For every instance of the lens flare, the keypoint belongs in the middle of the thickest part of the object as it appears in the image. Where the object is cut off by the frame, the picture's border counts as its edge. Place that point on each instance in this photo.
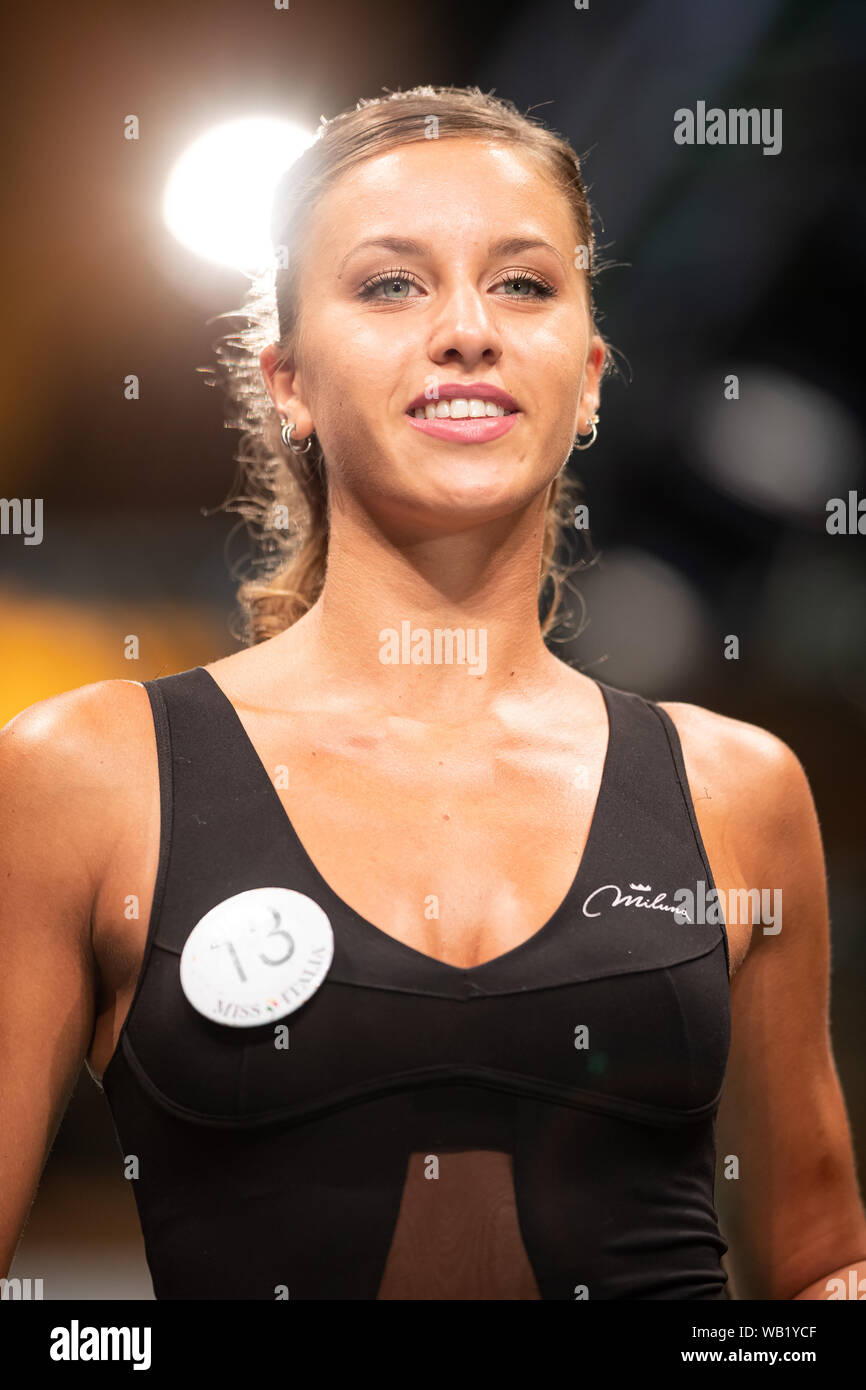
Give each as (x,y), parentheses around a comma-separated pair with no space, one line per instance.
(218,196)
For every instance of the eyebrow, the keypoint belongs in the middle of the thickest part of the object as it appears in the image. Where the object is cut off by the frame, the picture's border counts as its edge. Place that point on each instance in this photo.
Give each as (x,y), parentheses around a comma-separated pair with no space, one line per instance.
(405,246)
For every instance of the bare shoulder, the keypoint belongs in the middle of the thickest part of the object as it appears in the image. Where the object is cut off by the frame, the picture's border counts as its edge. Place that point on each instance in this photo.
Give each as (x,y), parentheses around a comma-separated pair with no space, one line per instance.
(70,761)
(80,724)
(748,772)
(722,744)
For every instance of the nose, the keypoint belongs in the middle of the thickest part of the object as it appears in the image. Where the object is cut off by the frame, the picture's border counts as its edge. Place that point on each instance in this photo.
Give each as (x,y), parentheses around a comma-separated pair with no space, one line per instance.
(465,328)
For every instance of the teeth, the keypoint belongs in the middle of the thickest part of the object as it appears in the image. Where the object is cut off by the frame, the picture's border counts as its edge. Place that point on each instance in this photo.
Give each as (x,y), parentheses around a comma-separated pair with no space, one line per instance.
(459,410)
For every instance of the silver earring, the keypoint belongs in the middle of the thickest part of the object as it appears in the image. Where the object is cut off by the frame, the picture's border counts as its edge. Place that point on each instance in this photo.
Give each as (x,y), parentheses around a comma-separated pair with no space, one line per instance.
(593,424)
(286,431)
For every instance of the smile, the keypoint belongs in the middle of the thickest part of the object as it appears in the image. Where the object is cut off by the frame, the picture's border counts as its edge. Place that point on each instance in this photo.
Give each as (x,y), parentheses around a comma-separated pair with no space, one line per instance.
(463,420)
(461,409)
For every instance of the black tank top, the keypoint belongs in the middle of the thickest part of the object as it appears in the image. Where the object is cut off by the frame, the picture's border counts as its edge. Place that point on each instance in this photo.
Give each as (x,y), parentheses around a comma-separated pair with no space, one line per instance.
(432,1132)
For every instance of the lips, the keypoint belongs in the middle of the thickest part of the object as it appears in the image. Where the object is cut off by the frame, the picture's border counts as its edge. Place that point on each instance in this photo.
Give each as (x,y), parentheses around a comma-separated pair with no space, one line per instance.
(467,430)
(465,390)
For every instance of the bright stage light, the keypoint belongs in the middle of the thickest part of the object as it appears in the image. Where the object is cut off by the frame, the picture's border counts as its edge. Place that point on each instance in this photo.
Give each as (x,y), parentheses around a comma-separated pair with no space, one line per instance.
(218,197)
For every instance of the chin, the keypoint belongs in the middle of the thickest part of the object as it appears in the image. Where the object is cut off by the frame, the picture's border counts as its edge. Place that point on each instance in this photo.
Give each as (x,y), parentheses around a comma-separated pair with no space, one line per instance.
(456,498)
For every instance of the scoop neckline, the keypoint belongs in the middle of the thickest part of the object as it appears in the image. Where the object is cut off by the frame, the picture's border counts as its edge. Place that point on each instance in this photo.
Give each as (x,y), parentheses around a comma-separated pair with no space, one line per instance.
(338,902)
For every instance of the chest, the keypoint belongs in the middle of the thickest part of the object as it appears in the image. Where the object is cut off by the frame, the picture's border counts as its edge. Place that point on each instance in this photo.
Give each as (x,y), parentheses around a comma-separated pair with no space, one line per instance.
(456,846)
(460,847)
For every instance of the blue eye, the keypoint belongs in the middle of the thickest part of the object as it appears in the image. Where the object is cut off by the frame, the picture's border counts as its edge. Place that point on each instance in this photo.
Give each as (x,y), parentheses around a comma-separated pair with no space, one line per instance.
(529,286)
(389,279)
(540,289)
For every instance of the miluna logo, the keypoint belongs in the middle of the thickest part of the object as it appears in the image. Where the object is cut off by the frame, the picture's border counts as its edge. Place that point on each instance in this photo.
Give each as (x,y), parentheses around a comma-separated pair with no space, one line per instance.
(737,126)
(621,899)
(101,1344)
(715,908)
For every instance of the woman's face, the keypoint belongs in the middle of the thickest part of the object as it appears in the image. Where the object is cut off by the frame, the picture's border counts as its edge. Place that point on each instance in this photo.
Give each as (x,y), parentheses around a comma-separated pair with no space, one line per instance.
(409,288)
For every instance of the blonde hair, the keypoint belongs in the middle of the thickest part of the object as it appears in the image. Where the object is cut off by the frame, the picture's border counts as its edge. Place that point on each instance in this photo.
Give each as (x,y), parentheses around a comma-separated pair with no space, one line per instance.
(282,497)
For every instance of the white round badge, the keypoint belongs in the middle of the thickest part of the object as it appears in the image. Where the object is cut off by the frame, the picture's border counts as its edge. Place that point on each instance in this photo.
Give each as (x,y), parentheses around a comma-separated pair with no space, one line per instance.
(256,956)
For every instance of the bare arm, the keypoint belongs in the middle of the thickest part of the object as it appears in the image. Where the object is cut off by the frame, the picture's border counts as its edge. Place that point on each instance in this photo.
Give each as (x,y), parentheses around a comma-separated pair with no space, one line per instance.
(55,826)
(793,1217)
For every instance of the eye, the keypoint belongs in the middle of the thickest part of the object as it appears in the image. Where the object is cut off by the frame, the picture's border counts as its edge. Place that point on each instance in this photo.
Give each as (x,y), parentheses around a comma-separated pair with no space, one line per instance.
(528,286)
(387,279)
(524,284)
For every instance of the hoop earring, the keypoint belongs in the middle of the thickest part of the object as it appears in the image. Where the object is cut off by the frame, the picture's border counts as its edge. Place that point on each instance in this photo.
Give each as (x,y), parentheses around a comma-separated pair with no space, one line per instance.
(593,423)
(286,431)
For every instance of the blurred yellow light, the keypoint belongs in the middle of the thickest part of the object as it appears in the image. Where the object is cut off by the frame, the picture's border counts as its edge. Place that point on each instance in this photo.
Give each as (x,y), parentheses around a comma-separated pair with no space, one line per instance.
(50,644)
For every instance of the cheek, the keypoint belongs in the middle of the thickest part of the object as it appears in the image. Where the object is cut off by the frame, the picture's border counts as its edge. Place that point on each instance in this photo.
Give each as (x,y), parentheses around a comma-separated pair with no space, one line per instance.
(550,352)
(345,393)
(351,364)
(557,394)
(561,360)
(561,347)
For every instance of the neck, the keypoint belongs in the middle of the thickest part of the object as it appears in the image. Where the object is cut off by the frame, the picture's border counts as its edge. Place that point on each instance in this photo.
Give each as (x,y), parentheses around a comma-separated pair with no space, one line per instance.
(437,629)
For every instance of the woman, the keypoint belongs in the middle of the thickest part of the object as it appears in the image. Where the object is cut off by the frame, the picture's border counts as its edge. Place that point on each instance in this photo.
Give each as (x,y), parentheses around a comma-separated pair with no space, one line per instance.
(387,932)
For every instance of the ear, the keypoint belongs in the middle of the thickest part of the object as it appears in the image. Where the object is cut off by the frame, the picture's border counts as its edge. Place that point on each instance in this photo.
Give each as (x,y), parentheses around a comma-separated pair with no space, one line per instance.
(590,399)
(279,373)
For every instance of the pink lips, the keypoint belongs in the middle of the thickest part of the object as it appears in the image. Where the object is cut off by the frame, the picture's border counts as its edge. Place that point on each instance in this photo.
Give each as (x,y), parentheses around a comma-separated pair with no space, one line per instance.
(467,430)
(470,429)
(467,390)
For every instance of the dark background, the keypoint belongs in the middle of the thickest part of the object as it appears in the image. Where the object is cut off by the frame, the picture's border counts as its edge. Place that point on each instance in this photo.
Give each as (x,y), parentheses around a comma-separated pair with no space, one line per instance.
(709,514)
